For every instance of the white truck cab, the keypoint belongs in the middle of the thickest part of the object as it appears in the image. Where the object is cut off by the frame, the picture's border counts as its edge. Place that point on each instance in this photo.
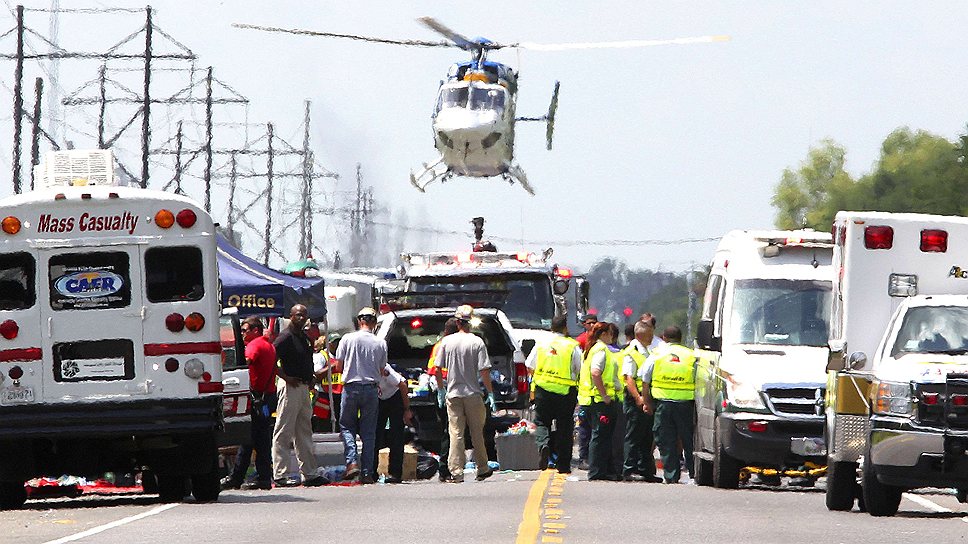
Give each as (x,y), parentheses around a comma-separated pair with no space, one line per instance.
(761,348)
(109,335)
(897,398)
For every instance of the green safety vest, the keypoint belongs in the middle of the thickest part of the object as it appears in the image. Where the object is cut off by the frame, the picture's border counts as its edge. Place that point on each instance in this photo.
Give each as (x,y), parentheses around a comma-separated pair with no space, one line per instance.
(552,369)
(587,392)
(639,359)
(673,376)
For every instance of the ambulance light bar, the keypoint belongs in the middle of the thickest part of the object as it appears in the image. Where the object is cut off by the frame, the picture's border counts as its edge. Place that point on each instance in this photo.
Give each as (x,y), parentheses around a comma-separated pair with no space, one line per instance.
(477,258)
(902,285)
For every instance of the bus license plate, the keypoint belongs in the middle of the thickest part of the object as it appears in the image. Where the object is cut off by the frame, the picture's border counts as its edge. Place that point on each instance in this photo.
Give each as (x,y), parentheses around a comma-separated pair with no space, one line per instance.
(17,395)
(810,447)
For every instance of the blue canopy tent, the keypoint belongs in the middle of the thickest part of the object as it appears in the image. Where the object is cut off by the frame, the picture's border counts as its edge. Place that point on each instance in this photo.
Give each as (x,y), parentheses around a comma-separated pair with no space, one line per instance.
(258,290)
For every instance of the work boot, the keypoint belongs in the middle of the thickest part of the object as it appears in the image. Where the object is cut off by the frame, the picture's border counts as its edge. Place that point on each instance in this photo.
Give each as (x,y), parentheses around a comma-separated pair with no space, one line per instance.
(229,482)
(544,454)
(352,470)
(485,475)
(316,481)
(287,482)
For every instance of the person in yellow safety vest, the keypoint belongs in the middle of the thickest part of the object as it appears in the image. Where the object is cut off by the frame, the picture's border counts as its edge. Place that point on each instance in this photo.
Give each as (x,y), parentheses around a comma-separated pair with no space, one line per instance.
(323,411)
(618,435)
(668,381)
(554,366)
(597,389)
(639,464)
(440,374)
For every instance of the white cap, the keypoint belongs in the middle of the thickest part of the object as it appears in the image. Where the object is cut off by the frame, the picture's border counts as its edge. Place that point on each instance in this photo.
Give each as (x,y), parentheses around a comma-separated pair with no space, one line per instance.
(464,312)
(366,312)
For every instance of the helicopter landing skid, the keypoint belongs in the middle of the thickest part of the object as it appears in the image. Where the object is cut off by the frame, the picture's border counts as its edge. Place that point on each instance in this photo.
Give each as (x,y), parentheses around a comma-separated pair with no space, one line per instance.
(516,173)
(430,174)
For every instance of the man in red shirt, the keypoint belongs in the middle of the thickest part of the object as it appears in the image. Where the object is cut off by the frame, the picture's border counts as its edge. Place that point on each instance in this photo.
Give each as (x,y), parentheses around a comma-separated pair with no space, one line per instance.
(261,358)
(587,322)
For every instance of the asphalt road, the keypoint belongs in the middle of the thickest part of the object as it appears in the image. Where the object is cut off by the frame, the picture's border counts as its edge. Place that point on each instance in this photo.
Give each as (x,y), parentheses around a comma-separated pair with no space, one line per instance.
(510,507)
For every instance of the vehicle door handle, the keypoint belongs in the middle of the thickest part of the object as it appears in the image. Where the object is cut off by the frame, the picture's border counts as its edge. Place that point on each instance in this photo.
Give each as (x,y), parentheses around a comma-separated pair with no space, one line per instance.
(50,327)
(231,382)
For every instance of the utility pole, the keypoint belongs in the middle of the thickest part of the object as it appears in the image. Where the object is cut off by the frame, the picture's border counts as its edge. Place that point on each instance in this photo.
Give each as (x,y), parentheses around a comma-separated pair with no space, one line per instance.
(268,231)
(146,107)
(306,210)
(35,134)
(53,75)
(18,99)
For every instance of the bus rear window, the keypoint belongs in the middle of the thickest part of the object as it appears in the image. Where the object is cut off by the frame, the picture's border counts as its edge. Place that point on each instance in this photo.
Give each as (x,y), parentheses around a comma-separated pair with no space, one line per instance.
(17,271)
(174,274)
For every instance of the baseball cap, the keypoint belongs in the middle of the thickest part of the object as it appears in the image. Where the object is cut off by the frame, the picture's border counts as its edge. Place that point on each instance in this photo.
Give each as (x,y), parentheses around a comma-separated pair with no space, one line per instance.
(464,312)
(333,336)
(366,312)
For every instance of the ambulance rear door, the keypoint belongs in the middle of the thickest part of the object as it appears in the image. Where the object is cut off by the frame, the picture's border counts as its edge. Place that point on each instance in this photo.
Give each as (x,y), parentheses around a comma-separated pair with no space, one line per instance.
(92,311)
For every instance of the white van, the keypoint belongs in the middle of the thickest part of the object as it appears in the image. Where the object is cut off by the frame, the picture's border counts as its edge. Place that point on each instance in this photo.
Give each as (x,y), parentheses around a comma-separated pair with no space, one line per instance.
(109,332)
(897,399)
(762,348)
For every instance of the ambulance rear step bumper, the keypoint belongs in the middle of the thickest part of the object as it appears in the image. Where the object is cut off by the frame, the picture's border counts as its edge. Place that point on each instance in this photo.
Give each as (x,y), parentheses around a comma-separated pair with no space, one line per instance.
(89,420)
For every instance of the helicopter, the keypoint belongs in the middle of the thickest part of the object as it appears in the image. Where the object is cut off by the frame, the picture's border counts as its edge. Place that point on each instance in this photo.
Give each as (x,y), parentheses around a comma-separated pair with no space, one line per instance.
(474,117)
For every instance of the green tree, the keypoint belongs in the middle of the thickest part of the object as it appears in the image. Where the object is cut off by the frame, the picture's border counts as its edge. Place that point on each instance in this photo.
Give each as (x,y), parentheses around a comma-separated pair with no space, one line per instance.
(810,196)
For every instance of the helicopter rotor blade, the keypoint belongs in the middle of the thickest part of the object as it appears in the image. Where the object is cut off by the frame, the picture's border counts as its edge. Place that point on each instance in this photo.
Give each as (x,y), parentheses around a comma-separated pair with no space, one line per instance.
(416,43)
(459,40)
(615,45)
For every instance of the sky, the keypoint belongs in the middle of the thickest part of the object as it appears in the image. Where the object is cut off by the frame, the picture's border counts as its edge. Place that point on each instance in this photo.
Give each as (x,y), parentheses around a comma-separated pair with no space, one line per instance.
(661,143)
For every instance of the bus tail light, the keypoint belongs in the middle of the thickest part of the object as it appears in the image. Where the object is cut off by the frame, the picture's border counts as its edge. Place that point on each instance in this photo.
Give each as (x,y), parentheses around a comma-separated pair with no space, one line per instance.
(878,237)
(521,372)
(16,373)
(175,322)
(171,364)
(194,322)
(194,369)
(164,219)
(934,241)
(9,329)
(11,225)
(186,218)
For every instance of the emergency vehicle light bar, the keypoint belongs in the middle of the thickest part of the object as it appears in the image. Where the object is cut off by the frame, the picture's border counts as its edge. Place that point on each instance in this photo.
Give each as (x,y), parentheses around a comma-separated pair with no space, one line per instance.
(476,257)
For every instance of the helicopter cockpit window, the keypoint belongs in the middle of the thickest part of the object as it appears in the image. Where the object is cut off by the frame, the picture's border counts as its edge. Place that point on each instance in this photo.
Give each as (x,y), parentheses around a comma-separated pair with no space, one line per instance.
(487,99)
(452,97)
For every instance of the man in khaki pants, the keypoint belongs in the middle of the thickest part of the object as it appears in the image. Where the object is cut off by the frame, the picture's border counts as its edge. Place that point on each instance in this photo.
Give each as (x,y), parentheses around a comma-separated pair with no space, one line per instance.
(464,356)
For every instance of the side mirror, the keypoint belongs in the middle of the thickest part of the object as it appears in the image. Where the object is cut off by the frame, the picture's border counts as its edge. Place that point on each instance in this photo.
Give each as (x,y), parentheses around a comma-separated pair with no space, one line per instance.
(857,360)
(581,296)
(705,338)
(560,287)
(835,357)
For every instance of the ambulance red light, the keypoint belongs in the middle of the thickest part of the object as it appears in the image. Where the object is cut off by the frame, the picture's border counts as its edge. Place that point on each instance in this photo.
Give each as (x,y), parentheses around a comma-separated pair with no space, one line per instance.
(9,329)
(565,273)
(164,219)
(416,323)
(206,376)
(186,218)
(171,364)
(959,399)
(929,399)
(194,322)
(757,426)
(11,225)
(16,373)
(878,237)
(934,241)
(522,256)
(175,322)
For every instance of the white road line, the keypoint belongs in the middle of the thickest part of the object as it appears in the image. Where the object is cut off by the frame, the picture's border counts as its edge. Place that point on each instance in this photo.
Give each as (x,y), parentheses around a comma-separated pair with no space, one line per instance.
(112,525)
(930,505)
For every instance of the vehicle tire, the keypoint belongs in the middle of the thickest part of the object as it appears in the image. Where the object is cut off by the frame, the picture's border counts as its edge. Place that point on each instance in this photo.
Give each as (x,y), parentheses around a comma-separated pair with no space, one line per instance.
(149,483)
(881,500)
(841,486)
(13,495)
(171,486)
(703,470)
(206,487)
(725,468)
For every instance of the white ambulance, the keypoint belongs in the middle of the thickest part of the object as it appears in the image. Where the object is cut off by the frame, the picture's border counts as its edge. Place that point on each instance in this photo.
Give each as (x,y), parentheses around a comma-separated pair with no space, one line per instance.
(109,336)
(897,395)
(762,348)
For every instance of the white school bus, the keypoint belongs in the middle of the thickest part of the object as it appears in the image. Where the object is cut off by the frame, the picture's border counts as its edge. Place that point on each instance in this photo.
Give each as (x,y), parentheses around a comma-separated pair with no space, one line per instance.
(109,333)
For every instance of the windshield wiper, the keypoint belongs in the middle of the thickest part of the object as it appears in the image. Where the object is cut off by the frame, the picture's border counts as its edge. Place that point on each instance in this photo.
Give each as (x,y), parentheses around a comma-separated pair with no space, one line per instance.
(959,351)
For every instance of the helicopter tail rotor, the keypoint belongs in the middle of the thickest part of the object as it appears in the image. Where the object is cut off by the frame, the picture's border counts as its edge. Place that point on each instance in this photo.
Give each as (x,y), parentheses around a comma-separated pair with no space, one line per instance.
(550,118)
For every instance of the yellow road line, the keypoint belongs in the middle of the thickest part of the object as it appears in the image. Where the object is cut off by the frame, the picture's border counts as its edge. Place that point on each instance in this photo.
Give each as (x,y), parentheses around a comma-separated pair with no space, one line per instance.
(531,520)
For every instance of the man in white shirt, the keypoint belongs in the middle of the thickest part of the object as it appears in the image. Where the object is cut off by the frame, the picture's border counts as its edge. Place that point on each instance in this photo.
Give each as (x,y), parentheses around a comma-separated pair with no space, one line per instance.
(639,462)
(395,410)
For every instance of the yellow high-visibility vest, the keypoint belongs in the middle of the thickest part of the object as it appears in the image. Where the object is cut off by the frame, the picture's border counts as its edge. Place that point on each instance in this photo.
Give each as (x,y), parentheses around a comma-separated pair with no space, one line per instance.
(552,369)
(587,392)
(639,358)
(673,376)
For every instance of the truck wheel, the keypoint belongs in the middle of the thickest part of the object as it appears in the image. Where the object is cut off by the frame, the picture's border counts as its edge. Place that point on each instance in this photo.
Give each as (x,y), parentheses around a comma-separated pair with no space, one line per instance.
(206,485)
(704,470)
(725,468)
(841,486)
(880,499)
(171,486)
(13,495)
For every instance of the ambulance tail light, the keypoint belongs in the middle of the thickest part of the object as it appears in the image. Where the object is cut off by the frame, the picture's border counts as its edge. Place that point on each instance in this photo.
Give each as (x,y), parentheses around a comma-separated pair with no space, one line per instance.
(164,219)
(175,322)
(11,225)
(878,237)
(194,322)
(186,218)
(934,241)
(521,372)
(9,329)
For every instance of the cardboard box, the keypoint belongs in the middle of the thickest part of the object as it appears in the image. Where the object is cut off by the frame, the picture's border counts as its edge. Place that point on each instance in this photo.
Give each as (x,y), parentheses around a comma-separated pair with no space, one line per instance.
(409,462)
(517,452)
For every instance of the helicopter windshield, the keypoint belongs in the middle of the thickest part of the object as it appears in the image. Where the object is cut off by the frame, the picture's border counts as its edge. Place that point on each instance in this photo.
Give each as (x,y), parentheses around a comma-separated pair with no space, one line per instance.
(487,98)
(452,97)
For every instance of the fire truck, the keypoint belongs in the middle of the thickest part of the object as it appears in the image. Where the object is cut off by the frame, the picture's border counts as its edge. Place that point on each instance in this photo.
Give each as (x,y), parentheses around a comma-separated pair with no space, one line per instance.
(109,335)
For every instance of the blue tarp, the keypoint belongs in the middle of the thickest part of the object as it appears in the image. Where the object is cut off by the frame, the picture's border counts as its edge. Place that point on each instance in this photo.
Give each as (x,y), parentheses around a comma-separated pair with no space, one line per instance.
(258,290)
